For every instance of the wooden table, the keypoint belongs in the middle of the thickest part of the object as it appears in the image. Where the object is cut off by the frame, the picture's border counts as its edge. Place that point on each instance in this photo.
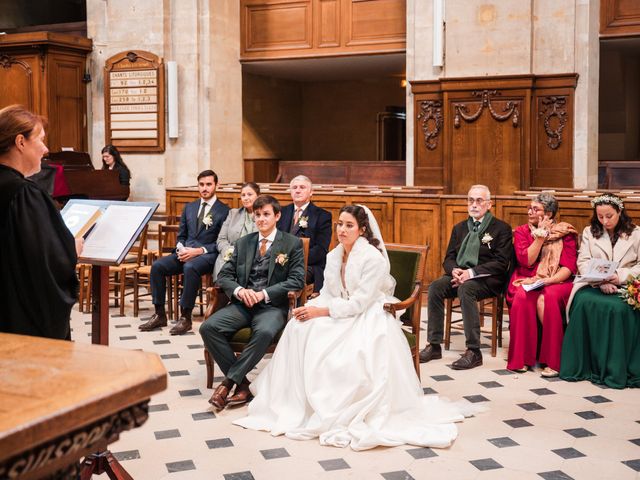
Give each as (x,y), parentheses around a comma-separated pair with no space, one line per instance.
(61,401)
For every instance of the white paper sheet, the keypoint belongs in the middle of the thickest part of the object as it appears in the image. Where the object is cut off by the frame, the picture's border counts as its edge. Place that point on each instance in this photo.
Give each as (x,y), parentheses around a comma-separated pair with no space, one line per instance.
(598,269)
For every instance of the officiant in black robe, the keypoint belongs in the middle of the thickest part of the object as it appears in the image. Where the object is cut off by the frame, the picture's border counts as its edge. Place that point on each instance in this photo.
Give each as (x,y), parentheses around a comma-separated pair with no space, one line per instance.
(38,254)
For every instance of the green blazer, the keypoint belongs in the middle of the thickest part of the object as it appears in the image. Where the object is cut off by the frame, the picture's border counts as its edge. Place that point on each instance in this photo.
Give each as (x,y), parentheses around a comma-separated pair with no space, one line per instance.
(281,279)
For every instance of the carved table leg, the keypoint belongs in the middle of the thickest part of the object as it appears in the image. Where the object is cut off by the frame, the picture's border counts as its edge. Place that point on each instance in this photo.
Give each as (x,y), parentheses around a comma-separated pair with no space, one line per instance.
(103,462)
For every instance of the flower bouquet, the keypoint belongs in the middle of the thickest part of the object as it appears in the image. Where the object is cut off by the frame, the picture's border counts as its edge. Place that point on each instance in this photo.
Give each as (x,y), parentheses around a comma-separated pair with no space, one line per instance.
(630,292)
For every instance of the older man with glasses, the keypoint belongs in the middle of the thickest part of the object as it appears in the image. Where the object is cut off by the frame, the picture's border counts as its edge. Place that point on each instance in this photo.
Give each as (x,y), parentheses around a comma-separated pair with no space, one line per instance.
(476,266)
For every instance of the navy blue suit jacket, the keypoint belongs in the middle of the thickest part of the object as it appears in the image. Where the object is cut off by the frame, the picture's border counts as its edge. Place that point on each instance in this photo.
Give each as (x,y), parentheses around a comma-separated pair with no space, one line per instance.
(191,236)
(318,231)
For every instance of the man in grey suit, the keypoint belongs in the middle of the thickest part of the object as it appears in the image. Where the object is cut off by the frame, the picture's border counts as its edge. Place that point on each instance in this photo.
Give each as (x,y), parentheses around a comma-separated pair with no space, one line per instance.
(265,266)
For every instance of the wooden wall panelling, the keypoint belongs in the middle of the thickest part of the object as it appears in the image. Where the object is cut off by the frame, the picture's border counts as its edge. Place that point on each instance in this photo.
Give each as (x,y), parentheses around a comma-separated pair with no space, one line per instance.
(274,25)
(326,21)
(619,18)
(416,221)
(262,170)
(371,22)
(552,131)
(429,136)
(513,211)
(381,205)
(21,80)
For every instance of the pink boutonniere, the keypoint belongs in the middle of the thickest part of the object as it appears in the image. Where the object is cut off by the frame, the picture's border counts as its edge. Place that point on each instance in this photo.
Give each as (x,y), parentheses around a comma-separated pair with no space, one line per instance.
(282,259)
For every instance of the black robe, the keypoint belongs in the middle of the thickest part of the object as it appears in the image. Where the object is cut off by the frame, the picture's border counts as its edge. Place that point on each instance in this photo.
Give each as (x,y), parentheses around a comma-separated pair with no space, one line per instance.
(38,282)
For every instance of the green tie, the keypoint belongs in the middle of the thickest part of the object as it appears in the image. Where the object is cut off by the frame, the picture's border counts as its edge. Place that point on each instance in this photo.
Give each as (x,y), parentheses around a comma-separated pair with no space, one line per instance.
(476,224)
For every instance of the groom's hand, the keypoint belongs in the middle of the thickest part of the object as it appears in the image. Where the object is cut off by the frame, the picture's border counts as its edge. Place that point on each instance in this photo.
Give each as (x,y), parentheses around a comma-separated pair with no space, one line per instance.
(250,297)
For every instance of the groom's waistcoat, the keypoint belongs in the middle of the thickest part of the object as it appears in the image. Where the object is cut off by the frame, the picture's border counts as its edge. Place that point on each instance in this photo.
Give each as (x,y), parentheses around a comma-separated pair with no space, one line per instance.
(259,272)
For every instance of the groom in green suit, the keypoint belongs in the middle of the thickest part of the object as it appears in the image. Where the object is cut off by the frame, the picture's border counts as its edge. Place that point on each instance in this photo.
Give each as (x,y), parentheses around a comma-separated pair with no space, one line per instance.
(265,266)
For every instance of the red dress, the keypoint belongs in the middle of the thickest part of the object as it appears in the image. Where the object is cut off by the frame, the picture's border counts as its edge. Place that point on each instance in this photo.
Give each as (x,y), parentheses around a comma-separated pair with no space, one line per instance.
(523,322)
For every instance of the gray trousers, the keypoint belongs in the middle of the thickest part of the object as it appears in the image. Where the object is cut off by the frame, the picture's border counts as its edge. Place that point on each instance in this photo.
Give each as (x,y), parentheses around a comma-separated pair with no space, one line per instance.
(265,322)
(469,293)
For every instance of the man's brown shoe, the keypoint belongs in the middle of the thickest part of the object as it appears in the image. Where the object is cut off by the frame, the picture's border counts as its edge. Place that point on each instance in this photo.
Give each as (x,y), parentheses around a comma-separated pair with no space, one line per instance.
(469,359)
(156,321)
(429,353)
(241,395)
(182,327)
(219,397)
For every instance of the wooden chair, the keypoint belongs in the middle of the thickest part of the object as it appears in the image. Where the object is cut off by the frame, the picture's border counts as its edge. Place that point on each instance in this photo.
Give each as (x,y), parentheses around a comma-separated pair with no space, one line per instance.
(84,293)
(496,314)
(218,299)
(121,275)
(407,268)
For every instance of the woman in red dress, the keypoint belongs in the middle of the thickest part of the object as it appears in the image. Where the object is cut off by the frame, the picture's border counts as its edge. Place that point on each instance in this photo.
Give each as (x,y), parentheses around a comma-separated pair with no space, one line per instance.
(546,256)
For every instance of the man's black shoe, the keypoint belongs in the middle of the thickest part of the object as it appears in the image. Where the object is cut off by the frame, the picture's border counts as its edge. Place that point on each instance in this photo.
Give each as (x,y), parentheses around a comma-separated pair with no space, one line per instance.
(430,352)
(469,359)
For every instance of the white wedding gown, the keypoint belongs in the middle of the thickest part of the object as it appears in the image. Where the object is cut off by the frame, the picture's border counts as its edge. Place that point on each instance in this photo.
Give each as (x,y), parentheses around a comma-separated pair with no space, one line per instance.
(348,378)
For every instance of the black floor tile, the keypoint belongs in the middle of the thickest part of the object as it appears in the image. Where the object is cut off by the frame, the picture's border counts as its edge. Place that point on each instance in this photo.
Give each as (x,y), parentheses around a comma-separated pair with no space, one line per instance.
(239,476)
(161,342)
(502,442)
(568,453)
(164,434)
(579,432)
(421,452)
(441,378)
(127,455)
(219,443)
(160,407)
(399,475)
(190,393)
(168,356)
(491,384)
(122,326)
(428,391)
(636,441)
(203,416)
(503,371)
(201,362)
(589,415)
(180,466)
(531,406)
(485,464)
(555,475)
(274,453)
(542,391)
(476,398)
(597,399)
(634,464)
(334,464)
(178,373)
(518,423)
(193,347)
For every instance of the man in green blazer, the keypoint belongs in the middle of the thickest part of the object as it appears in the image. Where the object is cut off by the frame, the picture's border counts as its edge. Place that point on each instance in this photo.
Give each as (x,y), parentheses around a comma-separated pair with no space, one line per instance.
(265,266)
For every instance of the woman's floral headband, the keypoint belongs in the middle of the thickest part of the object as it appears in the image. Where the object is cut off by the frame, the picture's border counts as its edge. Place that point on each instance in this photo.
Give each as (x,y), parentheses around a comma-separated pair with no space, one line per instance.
(606,198)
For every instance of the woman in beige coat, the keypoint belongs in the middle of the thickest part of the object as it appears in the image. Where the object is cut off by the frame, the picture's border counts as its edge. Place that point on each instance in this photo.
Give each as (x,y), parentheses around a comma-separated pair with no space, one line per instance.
(602,341)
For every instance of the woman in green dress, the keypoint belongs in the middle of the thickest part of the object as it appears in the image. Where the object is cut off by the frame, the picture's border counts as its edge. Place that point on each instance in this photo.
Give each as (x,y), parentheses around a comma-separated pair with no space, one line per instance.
(602,341)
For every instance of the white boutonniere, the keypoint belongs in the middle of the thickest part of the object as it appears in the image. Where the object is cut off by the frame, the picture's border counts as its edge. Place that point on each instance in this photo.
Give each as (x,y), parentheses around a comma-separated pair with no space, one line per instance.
(207,221)
(282,259)
(228,254)
(303,222)
(486,239)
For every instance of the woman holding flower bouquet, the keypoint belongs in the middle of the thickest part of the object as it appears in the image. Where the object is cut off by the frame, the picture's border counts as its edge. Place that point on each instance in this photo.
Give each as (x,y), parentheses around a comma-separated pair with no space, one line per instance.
(540,287)
(239,222)
(602,341)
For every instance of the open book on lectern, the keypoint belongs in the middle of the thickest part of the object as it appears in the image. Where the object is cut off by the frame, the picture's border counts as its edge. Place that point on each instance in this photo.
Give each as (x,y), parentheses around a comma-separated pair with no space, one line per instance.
(112,226)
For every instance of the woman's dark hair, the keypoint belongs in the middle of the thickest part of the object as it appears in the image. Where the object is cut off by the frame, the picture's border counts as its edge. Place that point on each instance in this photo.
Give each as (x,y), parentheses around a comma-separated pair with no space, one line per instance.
(625,224)
(253,186)
(113,151)
(264,200)
(362,219)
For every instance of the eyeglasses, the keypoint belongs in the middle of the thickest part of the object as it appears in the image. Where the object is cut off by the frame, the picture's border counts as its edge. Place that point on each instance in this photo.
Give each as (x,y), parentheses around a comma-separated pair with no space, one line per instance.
(479,201)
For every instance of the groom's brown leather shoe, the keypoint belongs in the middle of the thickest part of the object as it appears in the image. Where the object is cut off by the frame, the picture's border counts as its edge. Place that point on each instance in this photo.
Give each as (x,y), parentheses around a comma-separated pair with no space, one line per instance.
(469,359)
(156,321)
(430,352)
(182,327)
(219,397)
(241,395)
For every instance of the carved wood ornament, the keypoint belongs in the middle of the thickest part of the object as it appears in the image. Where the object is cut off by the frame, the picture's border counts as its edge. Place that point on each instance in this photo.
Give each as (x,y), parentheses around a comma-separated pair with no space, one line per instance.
(554,107)
(6,61)
(431,112)
(511,109)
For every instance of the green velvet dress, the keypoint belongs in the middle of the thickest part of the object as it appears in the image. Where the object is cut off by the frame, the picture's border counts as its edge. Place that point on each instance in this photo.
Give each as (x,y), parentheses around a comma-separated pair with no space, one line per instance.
(602,341)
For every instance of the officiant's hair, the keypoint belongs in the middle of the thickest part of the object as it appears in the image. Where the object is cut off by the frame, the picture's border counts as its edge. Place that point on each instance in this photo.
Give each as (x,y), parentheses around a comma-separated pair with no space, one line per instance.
(625,224)
(208,173)
(16,120)
(362,219)
(264,200)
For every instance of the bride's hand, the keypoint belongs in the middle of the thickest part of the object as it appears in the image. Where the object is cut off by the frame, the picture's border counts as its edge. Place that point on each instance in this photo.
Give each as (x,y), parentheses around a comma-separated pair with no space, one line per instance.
(308,312)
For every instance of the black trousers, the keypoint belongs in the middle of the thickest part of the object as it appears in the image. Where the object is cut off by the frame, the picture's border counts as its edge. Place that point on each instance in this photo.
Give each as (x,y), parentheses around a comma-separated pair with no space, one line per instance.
(469,293)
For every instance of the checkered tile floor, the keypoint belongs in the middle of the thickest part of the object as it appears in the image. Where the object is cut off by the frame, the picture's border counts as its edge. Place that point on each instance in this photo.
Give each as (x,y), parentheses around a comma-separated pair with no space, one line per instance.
(533,428)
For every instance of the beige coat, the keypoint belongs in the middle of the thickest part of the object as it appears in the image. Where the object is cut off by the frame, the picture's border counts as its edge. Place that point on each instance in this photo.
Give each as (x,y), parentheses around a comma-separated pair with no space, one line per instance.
(626,253)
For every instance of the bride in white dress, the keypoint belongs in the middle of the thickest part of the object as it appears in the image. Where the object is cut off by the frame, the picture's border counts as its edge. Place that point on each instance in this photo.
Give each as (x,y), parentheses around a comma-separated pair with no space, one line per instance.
(342,370)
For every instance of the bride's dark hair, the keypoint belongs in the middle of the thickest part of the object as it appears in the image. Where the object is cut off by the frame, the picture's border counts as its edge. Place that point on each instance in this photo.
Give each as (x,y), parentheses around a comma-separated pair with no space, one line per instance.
(362,219)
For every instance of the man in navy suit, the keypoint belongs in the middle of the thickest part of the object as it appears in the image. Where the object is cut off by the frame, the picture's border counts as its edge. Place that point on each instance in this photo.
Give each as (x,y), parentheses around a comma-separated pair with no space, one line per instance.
(195,254)
(305,220)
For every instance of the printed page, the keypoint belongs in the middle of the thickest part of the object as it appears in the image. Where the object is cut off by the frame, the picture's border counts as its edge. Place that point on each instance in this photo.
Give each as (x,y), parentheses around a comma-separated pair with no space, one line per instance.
(598,269)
